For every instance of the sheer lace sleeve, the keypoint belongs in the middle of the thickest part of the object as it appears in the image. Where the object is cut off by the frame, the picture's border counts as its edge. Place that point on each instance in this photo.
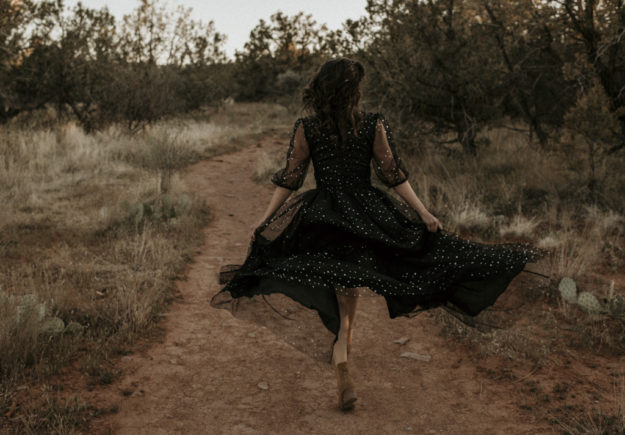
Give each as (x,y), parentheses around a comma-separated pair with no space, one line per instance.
(292,175)
(387,164)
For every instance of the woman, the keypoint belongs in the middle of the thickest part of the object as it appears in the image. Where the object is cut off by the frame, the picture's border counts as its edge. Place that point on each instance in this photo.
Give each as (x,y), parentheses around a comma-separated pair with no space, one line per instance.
(321,246)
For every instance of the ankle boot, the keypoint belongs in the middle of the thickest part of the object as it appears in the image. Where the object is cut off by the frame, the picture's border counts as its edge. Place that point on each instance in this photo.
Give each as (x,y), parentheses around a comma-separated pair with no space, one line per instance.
(346,393)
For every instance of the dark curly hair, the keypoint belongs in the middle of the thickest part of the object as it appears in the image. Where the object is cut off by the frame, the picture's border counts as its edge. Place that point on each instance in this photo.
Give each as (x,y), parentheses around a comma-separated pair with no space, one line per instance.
(332,95)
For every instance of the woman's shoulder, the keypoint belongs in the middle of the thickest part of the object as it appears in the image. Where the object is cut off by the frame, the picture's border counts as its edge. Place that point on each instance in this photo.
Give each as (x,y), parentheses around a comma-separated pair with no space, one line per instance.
(370,121)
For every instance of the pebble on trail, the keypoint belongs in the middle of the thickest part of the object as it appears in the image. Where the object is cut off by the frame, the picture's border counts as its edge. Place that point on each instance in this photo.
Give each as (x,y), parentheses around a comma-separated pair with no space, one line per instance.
(417,356)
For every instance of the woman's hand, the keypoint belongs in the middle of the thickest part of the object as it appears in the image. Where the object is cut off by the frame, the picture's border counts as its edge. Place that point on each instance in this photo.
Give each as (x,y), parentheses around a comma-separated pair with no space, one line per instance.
(407,194)
(279,196)
(430,221)
(254,226)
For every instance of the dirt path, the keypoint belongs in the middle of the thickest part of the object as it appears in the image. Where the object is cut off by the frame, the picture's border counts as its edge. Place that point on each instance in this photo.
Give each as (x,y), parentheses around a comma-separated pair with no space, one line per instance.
(203,377)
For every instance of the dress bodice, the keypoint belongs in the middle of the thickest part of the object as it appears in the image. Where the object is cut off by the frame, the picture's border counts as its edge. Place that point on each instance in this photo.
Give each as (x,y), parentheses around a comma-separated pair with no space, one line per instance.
(335,166)
(338,167)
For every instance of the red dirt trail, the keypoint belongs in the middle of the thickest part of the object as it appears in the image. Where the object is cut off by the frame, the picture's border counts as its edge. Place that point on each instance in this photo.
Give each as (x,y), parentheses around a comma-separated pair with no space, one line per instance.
(203,376)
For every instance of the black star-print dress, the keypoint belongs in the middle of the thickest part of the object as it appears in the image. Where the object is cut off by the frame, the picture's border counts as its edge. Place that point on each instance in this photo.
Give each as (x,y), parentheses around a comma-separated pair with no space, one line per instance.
(346,233)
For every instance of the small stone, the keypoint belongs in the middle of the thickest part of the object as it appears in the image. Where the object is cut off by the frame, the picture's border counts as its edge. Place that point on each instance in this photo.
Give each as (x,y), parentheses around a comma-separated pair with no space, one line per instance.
(417,356)
(251,334)
(263,385)
(402,341)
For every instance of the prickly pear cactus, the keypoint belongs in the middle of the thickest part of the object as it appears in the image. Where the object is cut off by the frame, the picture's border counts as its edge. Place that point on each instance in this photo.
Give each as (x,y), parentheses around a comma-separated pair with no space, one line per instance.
(568,290)
(53,326)
(589,302)
(29,308)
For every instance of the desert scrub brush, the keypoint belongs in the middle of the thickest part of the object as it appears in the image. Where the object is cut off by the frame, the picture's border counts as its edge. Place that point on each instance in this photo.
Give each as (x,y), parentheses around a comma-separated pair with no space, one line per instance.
(615,303)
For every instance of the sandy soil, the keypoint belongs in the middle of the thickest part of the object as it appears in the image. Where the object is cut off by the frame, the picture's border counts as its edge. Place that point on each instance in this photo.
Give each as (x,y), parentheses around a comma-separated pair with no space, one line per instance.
(203,375)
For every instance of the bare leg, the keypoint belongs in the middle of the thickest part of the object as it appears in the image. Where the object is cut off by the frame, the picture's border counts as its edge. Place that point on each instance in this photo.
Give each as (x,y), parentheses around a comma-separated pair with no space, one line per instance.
(351,302)
(347,300)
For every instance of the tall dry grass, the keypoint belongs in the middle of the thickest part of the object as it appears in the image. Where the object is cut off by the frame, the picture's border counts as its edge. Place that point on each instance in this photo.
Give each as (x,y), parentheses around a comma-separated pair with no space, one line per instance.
(93,231)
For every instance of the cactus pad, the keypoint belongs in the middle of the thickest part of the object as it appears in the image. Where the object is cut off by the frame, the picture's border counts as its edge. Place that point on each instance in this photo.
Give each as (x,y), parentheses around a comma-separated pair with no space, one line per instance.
(53,326)
(568,290)
(589,302)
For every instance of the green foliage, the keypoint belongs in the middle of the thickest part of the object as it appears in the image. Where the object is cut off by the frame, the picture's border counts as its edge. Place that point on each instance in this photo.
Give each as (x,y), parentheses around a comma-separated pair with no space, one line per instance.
(88,66)
(434,61)
(279,56)
(592,121)
(448,67)
(453,67)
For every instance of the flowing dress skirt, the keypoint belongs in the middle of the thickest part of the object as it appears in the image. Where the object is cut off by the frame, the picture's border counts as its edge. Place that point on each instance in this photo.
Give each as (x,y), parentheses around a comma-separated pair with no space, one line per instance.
(325,239)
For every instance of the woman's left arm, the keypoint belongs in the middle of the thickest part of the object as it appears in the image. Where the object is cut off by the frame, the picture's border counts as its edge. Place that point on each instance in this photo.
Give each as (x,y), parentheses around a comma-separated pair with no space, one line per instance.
(291,176)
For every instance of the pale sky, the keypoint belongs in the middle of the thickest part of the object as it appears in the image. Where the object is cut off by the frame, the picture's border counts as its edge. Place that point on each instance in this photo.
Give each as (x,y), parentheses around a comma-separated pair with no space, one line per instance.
(236,18)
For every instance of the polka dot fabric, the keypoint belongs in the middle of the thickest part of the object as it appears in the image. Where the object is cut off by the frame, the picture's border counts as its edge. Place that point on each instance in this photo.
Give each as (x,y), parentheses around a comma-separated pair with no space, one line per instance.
(347,234)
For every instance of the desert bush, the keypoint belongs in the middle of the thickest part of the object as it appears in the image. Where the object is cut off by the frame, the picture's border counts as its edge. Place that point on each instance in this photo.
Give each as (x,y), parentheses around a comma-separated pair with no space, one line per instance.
(29,330)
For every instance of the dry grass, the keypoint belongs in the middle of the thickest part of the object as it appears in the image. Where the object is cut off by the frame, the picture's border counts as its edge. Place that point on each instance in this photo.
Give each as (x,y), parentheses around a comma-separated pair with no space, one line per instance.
(599,421)
(93,230)
(266,167)
(519,226)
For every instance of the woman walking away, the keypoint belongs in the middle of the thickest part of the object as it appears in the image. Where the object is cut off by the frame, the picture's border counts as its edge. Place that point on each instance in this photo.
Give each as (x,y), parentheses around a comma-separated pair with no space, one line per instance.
(321,246)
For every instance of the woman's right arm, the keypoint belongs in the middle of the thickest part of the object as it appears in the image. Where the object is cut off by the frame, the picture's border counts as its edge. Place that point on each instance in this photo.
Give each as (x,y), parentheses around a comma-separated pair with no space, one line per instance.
(407,193)
(392,172)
